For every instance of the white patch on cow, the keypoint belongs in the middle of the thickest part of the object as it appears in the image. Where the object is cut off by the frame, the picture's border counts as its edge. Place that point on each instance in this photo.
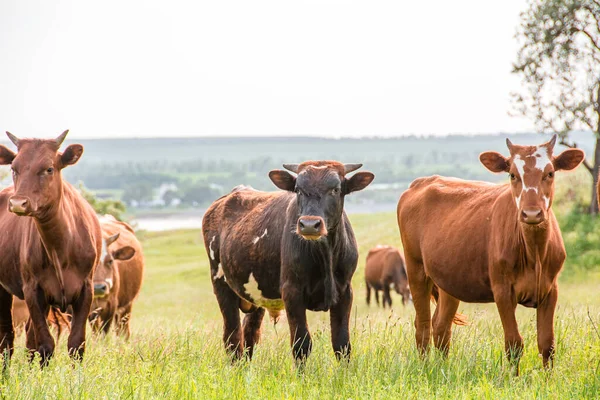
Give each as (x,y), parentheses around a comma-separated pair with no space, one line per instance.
(256,239)
(211,251)
(220,273)
(104,251)
(520,164)
(547,201)
(109,282)
(543,159)
(257,298)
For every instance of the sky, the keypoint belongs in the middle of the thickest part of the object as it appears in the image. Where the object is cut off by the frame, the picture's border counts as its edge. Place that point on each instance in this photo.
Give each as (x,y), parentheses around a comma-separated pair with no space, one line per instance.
(147,68)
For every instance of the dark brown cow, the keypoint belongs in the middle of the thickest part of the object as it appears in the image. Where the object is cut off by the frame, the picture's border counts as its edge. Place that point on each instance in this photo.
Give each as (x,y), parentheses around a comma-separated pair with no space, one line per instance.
(50,244)
(118,277)
(480,242)
(385,267)
(293,249)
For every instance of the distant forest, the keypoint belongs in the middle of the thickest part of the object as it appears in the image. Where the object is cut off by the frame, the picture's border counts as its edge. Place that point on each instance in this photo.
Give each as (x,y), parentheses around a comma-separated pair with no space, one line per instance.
(184,173)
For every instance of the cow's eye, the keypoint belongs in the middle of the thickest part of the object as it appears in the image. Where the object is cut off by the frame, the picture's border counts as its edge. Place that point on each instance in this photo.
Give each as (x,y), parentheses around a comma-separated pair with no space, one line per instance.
(550,174)
(50,171)
(335,191)
(110,262)
(512,177)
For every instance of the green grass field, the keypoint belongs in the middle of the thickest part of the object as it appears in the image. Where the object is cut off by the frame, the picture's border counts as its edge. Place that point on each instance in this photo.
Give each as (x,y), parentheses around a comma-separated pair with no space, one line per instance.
(176,352)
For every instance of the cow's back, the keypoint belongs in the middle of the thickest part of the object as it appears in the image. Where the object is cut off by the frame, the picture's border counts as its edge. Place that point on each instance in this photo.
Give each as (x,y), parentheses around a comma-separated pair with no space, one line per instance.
(242,233)
(445,225)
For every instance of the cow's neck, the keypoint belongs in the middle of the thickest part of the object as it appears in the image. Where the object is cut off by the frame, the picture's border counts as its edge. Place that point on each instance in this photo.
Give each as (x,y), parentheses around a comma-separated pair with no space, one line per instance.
(534,239)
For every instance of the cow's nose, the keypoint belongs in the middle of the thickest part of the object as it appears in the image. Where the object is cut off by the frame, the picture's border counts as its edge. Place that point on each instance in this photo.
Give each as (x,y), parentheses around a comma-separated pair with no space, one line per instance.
(311,226)
(532,216)
(100,289)
(18,205)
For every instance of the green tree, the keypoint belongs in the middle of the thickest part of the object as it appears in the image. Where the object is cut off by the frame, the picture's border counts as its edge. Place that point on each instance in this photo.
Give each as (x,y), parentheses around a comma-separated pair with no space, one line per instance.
(559,62)
(116,208)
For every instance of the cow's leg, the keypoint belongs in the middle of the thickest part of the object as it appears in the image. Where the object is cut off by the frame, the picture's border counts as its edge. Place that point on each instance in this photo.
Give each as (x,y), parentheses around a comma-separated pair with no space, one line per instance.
(252,324)
(296,315)
(387,297)
(513,342)
(7,333)
(107,316)
(81,311)
(368,293)
(340,321)
(442,321)
(376,295)
(39,337)
(123,317)
(420,287)
(229,304)
(545,326)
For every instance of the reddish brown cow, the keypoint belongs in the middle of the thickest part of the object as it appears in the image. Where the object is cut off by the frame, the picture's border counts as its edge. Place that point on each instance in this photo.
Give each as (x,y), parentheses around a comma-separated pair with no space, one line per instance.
(50,244)
(118,277)
(293,249)
(385,267)
(480,242)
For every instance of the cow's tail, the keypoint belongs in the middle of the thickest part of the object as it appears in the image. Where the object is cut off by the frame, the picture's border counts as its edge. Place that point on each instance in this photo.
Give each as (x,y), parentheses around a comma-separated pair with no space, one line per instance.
(459,319)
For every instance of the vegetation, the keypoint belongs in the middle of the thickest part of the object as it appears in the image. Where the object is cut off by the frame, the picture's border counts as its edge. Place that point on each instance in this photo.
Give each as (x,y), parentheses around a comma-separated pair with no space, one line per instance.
(559,61)
(176,350)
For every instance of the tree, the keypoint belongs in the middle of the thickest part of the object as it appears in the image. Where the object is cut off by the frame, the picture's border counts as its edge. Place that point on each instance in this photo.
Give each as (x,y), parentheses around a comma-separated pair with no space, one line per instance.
(559,62)
(116,208)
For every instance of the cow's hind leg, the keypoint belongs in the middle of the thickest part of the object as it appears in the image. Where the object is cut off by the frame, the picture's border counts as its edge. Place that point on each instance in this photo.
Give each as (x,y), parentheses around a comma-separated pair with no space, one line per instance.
(252,324)
(229,304)
(122,319)
(420,287)
(340,324)
(387,297)
(7,333)
(368,293)
(442,321)
(376,296)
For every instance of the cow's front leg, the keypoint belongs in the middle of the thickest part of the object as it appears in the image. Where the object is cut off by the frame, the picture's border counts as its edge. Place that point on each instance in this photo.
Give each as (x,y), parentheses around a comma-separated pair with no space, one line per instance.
(513,342)
(545,326)
(296,315)
(7,333)
(81,311)
(340,321)
(38,310)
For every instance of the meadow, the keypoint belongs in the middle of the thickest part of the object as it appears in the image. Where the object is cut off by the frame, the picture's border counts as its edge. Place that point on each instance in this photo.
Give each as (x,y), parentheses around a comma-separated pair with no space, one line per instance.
(176,352)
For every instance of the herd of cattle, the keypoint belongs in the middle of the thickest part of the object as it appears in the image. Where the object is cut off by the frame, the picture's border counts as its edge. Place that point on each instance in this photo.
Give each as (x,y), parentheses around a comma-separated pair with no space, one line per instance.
(291,250)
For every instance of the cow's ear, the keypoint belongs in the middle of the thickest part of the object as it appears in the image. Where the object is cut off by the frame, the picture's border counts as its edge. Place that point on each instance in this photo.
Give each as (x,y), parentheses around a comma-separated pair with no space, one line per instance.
(6,156)
(494,161)
(568,159)
(358,181)
(283,179)
(71,155)
(124,253)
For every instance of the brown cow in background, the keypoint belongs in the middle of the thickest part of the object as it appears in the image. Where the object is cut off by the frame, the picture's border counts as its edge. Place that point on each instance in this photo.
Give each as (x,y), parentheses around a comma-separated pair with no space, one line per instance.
(20,314)
(385,267)
(50,244)
(479,242)
(118,277)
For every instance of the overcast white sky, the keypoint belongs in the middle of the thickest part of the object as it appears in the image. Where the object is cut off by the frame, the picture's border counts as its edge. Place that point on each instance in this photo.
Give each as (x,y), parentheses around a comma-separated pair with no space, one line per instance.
(192,68)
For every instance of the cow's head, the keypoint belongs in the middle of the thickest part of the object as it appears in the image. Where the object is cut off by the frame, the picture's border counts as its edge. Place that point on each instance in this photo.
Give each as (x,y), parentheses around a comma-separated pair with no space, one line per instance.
(36,170)
(104,275)
(320,187)
(531,170)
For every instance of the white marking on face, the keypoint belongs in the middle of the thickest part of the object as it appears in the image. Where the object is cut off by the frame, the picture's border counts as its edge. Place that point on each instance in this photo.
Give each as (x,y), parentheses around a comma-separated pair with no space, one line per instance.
(257,298)
(104,251)
(109,282)
(547,201)
(220,273)
(212,253)
(540,158)
(256,239)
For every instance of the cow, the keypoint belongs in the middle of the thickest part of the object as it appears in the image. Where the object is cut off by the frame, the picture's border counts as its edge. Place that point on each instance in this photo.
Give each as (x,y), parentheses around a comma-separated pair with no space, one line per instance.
(57,320)
(479,242)
(118,277)
(50,244)
(292,249)
(385,267)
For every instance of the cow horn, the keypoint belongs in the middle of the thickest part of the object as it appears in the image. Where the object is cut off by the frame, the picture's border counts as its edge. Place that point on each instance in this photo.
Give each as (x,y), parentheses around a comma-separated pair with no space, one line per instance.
(111,239)
(550,144)
(351,167)
(13,138)
(291,167)
(61,138)
(509,145)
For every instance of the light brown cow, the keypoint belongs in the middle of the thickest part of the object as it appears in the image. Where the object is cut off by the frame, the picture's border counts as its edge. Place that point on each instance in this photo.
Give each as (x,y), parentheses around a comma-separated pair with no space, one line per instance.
(480,242)
(20,314)
(118,277)
(50,244)
(385,267)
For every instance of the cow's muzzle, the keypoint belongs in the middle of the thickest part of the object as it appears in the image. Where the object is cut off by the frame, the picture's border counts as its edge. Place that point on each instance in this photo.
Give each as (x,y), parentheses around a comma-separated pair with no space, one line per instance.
(102,289)
(311,228)
(19,205)
(532,216)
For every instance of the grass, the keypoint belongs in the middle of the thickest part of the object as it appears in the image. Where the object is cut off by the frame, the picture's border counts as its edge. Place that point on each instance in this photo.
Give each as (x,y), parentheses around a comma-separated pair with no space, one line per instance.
(176,352)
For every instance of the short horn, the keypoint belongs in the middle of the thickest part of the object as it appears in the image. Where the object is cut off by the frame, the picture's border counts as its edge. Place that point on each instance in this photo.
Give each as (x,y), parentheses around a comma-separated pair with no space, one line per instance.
(351,167)
(13,138)
(61,138)
(111,239)
(509,145)
(550,144)
(291,167)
